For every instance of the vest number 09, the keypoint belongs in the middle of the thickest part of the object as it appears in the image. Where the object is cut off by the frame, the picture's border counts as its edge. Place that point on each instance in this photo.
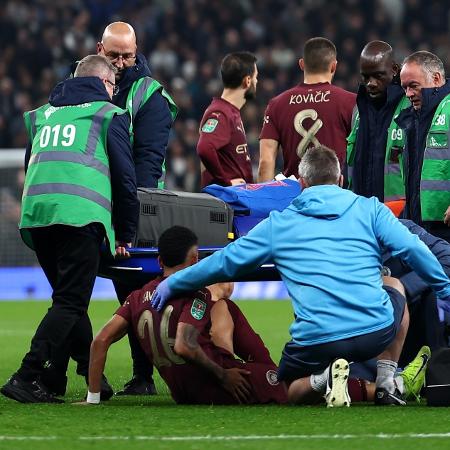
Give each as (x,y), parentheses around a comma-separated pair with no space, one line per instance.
(66,137)
(397,134)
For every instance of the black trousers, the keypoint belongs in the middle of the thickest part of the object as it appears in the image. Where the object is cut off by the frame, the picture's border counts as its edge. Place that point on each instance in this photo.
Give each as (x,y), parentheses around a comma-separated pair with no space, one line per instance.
(141,365)
(69,257)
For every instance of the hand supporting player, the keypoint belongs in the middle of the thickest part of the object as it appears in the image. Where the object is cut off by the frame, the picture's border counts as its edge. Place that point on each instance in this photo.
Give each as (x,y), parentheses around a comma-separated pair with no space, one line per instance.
(236,384)
(161,295)
(121,249)
(237,181)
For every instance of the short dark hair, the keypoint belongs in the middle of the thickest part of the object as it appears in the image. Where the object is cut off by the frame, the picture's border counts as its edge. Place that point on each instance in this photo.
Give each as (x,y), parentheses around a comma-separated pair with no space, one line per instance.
(235,66)
(319,165)
(174,245)
(318,54)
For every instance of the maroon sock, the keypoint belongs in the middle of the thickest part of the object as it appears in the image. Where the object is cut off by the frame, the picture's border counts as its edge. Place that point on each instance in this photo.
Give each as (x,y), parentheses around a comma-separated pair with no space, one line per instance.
(357,389)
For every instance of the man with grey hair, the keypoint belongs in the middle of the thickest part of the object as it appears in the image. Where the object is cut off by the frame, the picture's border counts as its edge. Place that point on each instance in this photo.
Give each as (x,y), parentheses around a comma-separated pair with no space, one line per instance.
(80,188)
(426,152)
(327,247)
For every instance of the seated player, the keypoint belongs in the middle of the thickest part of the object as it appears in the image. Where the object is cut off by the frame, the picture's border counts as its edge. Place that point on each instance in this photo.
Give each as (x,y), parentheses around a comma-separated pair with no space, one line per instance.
(179,340)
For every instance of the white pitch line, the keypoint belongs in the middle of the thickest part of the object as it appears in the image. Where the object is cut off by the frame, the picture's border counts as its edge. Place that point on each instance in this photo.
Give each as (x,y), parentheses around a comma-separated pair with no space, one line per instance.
(232,438)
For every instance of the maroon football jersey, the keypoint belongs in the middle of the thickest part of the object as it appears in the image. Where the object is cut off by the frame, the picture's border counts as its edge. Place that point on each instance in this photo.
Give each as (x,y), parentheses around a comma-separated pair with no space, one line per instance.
(189,383)
(222,146)
(156,331)
(308,115)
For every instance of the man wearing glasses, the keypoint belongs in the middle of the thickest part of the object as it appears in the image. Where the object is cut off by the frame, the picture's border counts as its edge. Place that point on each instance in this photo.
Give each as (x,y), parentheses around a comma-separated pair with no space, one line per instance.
(152,112)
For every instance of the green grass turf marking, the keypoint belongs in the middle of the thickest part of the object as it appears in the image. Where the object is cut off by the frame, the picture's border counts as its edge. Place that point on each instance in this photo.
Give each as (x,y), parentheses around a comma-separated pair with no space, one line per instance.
(235,438)
(156,423)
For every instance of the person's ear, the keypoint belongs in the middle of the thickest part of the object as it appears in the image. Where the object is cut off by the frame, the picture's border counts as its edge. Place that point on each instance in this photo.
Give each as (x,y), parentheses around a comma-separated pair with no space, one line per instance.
(333,66)
(246,82)
(192,256)
(301,63)
(99,47)
(437,79)
(160,263)
(304,184)
(341,180)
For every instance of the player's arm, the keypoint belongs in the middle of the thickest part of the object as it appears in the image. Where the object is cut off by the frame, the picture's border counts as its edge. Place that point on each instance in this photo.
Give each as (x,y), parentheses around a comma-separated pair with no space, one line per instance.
(113,331)
(233,380)
(268,144)
(268,149)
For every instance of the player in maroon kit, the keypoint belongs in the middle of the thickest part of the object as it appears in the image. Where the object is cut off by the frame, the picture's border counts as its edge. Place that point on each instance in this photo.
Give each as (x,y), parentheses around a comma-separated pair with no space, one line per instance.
(222,146)
(312,113)
(180,340)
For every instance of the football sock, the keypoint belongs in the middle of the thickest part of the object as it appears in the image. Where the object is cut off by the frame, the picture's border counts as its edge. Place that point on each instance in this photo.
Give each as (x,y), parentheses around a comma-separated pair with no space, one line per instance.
(385,374)
(399,382)
(319,381)
(357,389)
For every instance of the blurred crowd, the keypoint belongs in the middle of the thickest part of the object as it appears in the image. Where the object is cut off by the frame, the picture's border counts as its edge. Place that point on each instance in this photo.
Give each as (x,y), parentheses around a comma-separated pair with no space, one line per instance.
(185,40)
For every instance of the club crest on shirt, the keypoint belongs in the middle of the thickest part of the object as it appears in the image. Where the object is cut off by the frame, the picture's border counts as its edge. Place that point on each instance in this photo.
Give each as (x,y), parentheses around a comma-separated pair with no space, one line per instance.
(272,379)
(198,309)
(210,125)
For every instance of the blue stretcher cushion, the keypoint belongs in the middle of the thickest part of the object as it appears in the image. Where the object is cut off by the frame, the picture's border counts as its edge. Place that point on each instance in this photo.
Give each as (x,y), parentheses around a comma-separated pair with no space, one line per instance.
(257,200)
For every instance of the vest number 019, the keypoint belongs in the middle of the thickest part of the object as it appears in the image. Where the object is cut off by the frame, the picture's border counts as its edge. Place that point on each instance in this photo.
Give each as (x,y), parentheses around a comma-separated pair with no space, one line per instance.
(66,137)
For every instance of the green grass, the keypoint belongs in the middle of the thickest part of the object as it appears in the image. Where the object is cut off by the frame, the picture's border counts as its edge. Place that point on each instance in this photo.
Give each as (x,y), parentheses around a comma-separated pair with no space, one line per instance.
(154,423)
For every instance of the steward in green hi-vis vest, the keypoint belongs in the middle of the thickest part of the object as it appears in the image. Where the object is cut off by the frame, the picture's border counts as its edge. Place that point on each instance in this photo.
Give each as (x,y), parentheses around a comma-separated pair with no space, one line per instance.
(394,186)
(435,175)
(68,177)
(141,90)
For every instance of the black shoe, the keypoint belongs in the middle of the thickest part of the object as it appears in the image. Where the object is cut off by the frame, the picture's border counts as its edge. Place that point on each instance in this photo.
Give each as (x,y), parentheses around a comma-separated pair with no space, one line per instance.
(106,391)
(138,386)
(55,383)
(383,397)
(28,392)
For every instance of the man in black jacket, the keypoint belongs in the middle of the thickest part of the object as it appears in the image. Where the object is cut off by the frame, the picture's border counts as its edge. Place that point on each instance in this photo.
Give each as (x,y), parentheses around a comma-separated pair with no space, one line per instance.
(80,180)
(152,112)
(426,128)
(374,145)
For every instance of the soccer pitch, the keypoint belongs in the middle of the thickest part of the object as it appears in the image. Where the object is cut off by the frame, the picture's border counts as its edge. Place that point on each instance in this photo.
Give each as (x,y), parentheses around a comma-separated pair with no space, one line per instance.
(157,423)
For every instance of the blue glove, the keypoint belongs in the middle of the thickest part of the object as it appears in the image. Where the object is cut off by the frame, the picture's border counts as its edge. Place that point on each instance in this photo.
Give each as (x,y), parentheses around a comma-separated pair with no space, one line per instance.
(161,295)
(444,304)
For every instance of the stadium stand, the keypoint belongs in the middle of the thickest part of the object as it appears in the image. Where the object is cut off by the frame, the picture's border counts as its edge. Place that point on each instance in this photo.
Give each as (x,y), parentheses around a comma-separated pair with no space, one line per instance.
(185,41)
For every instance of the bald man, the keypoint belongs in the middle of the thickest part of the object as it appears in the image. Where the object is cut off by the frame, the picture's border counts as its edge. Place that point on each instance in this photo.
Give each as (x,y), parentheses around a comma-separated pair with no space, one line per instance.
(151,108)
(375,143)
(152,112)
(426,127)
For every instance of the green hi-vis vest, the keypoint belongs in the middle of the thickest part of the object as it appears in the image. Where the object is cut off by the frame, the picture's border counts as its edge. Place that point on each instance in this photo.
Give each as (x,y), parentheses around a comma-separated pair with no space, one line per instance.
(435,177)
(68,178)
(394,186)
(141,90)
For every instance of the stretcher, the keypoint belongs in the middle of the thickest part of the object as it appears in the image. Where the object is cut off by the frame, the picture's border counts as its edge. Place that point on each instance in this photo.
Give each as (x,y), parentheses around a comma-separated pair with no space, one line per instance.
(217,216)
(177,209)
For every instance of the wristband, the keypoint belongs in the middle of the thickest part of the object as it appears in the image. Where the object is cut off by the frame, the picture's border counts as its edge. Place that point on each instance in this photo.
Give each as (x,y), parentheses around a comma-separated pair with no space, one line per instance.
(93,397)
